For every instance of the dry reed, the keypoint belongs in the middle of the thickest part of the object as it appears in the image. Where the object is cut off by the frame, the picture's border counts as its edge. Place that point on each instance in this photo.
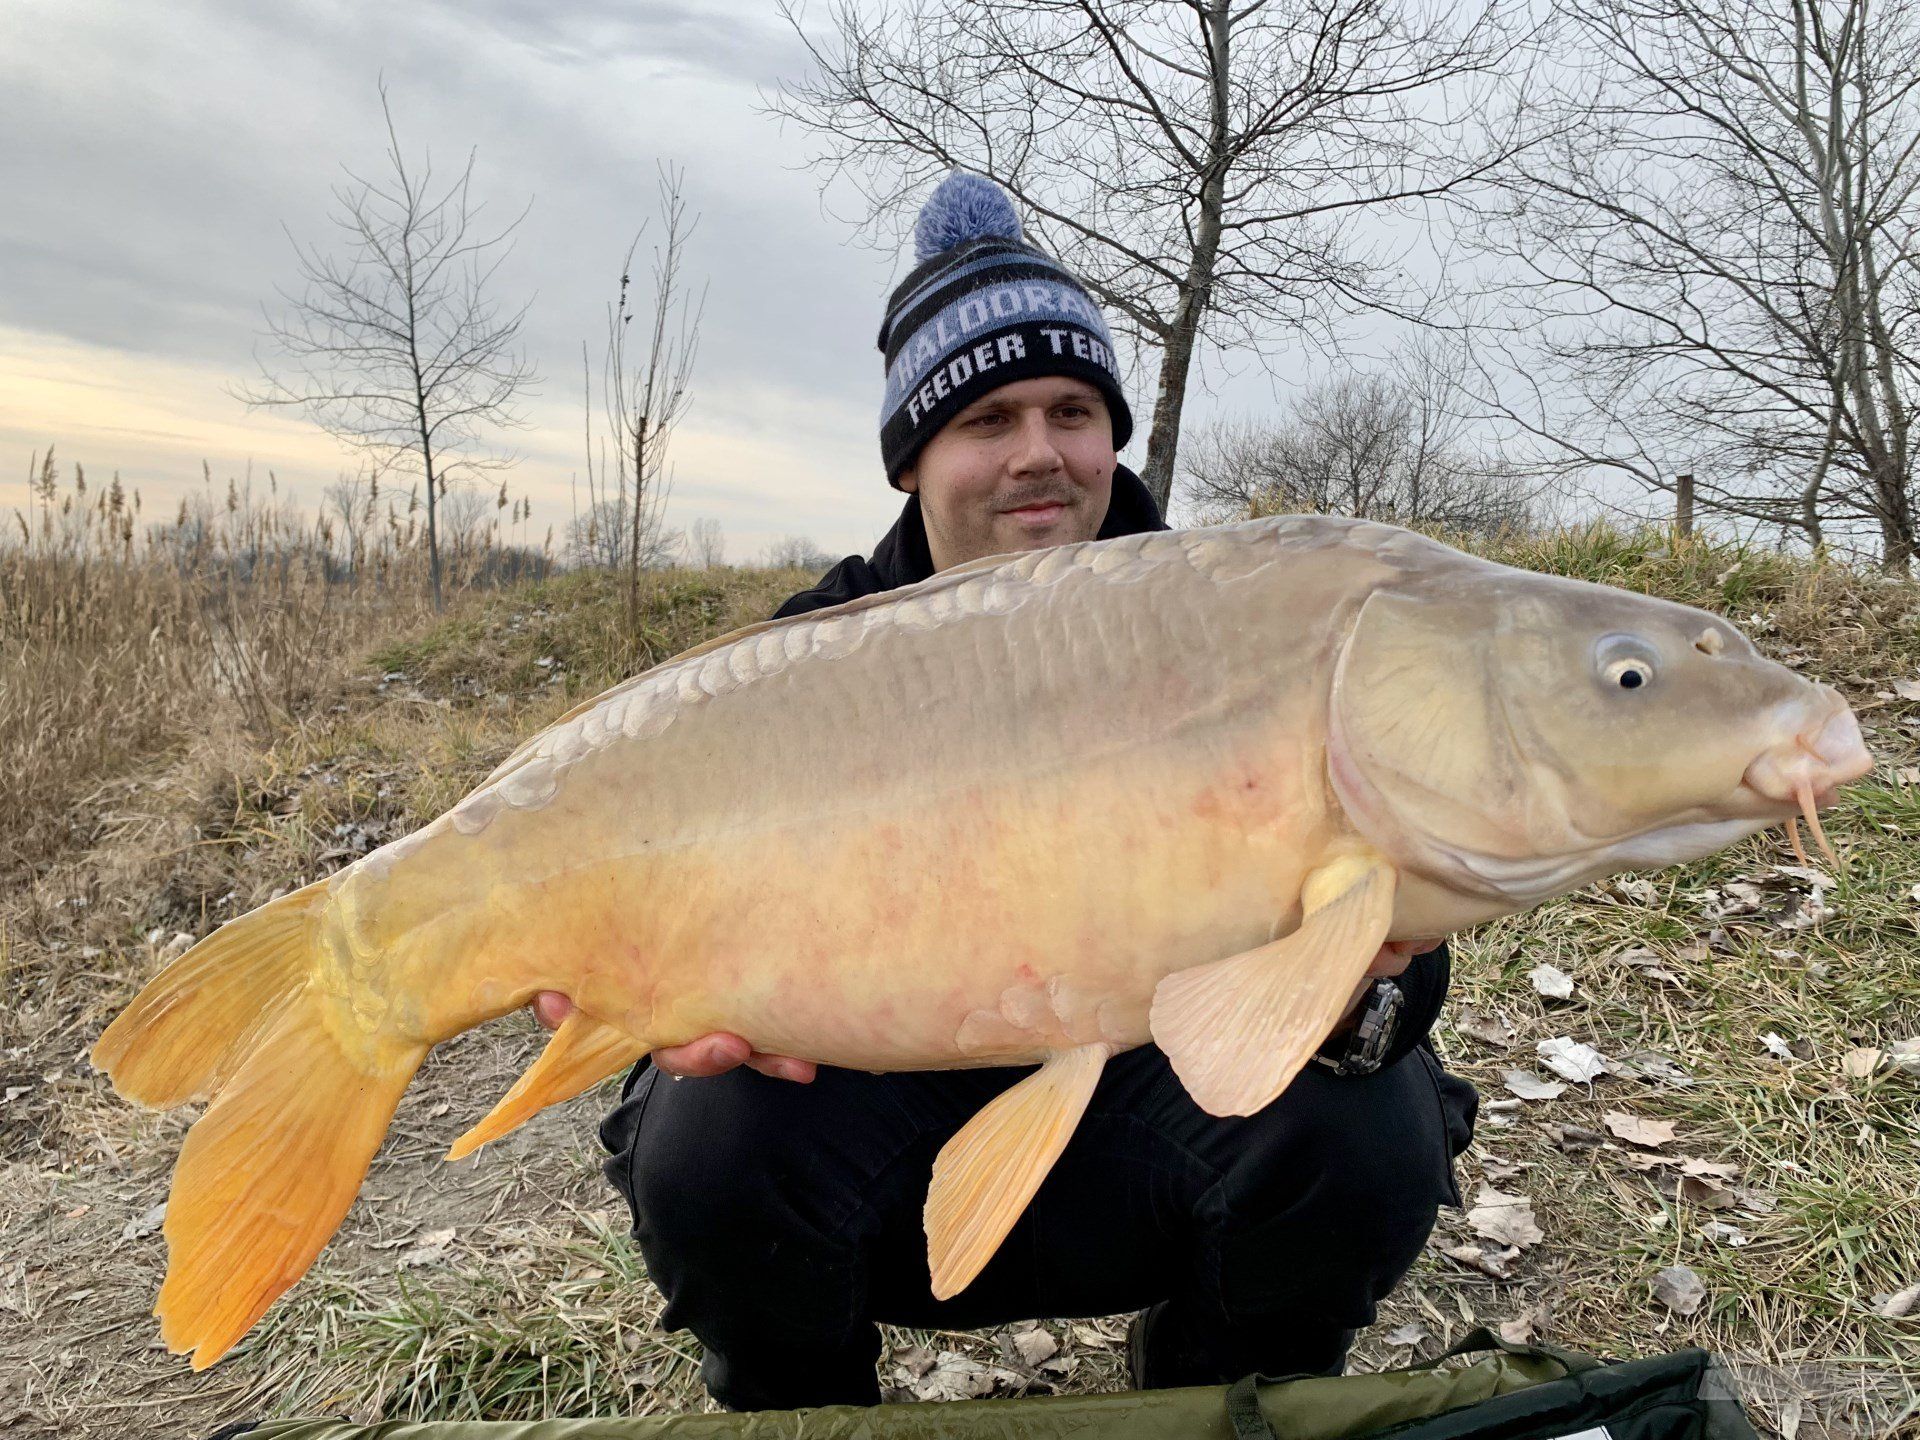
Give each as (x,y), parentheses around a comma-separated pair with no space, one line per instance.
(118,633)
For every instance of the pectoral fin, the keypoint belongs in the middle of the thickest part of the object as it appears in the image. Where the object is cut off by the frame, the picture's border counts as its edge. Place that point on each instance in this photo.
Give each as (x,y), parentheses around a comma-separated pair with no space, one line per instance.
(1238,1030)
(582,1053)
(985,1175)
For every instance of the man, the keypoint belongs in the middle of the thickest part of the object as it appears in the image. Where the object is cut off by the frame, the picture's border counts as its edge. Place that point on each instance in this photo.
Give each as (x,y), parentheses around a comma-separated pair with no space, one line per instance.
(783,1220)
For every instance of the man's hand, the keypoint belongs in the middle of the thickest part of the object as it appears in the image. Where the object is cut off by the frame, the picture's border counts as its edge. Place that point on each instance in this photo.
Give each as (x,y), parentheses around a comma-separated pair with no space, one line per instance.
(713,1054)
(1396,955)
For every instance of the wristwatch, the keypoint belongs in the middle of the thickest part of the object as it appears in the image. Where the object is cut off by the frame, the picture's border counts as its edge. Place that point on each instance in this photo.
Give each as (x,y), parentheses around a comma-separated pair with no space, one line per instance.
(1363,1049)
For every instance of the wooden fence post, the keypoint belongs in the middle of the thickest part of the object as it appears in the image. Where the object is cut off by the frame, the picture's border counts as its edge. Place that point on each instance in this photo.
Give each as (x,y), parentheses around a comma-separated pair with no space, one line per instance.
(1683,505)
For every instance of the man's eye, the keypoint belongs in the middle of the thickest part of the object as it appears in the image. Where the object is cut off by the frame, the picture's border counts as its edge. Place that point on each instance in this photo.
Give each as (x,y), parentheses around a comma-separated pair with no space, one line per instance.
(1073,410)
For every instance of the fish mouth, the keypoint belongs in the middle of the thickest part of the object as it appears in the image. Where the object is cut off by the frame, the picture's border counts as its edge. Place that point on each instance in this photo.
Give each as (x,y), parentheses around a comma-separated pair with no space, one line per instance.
(1801,776)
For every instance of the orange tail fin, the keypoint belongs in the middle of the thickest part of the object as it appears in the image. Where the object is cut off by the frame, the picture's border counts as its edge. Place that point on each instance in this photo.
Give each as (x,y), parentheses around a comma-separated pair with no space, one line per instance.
(268,1172)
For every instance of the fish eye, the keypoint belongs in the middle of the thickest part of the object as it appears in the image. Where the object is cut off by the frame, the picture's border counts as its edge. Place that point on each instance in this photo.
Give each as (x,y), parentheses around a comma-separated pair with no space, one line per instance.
(1624,662)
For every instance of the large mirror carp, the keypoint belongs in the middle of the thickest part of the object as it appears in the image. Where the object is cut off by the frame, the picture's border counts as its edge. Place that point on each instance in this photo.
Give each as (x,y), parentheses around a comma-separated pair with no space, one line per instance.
(1177,787)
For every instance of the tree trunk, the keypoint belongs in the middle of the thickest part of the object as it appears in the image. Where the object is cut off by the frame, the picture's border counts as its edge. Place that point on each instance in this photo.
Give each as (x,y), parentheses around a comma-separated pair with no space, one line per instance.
(1683,506)
(433,528)
(633,543)
(1163,441)
(1895,511)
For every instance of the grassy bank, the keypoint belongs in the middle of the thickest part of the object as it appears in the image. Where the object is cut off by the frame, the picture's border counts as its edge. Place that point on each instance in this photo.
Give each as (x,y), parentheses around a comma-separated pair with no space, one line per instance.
(504,1287)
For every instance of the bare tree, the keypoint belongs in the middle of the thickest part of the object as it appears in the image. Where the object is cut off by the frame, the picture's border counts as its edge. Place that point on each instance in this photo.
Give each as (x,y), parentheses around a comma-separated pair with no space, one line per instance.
(464,523)
(1206,166)
(706,545)
(645,388)
(1718,261)
(601,539)
(797,552)
(1377,447)
(394,344)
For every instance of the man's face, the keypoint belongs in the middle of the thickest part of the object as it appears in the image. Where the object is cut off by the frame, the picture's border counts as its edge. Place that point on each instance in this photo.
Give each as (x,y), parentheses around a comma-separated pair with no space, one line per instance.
(1024,466)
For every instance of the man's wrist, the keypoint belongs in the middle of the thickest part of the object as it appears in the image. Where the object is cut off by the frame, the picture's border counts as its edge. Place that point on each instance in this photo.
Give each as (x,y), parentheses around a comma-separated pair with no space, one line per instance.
(1361,1044)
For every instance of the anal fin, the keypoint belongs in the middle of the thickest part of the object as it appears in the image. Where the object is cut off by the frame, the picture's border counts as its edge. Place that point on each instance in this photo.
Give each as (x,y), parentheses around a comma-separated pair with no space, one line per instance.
(1238,1030)
(582,1053)
(985,1175)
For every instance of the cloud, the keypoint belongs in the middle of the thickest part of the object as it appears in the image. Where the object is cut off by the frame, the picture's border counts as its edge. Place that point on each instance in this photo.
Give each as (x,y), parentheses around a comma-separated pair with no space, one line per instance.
(163,156)
(743,43)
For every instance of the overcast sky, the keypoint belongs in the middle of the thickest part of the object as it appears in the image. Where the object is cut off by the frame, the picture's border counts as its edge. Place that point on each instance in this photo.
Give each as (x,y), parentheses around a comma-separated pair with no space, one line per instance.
(157,156)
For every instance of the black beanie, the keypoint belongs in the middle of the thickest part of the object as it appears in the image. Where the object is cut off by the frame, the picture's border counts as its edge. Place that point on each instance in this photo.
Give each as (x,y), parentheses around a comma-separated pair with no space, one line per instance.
(982,309)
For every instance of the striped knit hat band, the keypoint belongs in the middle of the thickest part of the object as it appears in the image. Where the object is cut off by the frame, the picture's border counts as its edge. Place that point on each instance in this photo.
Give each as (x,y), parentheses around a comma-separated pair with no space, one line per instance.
(983,309)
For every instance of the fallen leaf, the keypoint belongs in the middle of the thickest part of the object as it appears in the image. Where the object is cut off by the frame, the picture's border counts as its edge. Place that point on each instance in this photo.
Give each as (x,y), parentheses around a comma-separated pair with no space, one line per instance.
(1699,1190)
(1639,890)
(1552,982)
(1710,1169)
(1575,1137)
(1637,1130)
(1777,1047)
(1529,1086)
(1504,1219)
(145,1223)
(1489,1029)
(1571,1060)
(1526,1327)
(1904,1056)
(1898,1306)
(1648,1160)
(1411,1333)
(1679,1289)
(1907,689)
(430,1251)
(1722,1233)
(955,1377)
(1497,1263)
(1860,1063)
(1651,1065)
(1035,1345)
(1806,874)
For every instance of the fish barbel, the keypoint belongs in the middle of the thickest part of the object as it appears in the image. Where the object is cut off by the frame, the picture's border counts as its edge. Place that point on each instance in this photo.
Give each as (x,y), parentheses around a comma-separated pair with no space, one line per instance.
(1037,809)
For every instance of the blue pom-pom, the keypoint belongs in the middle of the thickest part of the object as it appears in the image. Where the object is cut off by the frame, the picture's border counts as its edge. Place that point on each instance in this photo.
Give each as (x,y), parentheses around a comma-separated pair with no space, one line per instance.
(963,207)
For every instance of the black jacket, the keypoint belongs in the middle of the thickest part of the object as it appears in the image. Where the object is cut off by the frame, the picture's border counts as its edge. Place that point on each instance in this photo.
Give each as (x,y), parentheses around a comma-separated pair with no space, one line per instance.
(902,557)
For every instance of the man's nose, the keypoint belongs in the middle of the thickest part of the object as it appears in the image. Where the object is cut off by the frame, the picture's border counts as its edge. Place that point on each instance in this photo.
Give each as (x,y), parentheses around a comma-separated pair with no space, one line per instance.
(1034,450)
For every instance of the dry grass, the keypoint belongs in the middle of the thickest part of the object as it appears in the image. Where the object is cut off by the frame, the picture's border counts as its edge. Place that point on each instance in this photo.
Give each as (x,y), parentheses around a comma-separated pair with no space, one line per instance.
(535,1304)
(119,633)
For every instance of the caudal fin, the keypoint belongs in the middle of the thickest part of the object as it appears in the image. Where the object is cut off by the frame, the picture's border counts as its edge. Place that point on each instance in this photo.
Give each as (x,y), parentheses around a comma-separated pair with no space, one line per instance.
(268,1172)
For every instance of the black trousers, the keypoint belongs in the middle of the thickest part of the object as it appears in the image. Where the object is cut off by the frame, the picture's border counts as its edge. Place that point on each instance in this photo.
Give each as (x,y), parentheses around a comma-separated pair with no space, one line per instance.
(782,1221)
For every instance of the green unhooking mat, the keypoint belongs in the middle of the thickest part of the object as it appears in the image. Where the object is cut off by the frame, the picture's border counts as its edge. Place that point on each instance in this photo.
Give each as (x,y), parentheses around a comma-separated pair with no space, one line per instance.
(1512,1392)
